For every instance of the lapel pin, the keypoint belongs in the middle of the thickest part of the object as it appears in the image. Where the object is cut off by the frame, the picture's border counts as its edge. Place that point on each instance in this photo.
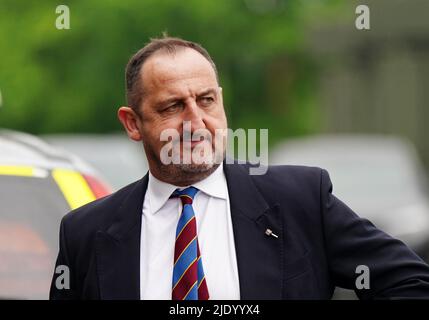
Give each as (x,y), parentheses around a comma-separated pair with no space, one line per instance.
(269,232)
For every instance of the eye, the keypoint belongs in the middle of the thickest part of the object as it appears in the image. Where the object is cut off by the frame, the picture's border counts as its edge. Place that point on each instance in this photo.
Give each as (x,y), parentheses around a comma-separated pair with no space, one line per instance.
(172,107)
(206,100)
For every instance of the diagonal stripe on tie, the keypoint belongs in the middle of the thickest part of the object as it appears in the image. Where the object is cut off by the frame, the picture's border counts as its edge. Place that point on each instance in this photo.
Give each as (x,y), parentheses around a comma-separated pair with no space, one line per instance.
(185,218)
(184,261)
(186,281)
(193,290)
(188,234)
(188,223)
(188,248)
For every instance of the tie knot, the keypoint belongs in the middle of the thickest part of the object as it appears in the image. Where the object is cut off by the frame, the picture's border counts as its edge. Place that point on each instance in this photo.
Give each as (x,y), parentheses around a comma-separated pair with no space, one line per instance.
(186,195)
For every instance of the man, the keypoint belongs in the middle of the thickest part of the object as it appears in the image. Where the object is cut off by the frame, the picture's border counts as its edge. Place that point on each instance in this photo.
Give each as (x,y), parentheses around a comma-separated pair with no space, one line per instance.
(208,229)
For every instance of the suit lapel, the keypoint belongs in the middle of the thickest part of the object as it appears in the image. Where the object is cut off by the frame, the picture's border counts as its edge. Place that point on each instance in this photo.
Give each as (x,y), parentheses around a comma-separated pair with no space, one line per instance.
(118,249)
(259,256)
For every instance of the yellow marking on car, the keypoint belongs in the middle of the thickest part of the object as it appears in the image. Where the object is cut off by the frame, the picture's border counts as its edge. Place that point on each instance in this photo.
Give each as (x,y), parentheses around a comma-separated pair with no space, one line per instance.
(74,187)
(24,171)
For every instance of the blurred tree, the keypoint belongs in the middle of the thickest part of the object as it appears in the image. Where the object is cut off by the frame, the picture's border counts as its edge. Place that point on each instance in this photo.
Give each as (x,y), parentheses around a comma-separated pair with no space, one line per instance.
(73,80)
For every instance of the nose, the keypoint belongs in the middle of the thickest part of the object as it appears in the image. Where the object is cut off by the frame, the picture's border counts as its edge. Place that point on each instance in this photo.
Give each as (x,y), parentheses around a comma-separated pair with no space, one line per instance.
(195,115)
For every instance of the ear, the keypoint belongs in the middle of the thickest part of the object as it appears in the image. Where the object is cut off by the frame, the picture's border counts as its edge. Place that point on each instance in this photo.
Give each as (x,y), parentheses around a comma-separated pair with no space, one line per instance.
(220,93)
(131,121)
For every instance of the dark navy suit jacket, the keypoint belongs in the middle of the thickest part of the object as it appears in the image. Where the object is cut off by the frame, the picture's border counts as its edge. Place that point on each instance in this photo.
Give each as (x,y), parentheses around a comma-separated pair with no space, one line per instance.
(320,242)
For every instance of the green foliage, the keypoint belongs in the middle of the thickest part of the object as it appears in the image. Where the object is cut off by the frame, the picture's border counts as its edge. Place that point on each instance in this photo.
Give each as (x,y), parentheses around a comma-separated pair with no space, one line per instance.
(73,80)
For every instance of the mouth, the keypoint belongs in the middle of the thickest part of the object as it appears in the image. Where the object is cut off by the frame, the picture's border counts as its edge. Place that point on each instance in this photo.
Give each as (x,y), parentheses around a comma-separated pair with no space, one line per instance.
(187,143)
(194,143)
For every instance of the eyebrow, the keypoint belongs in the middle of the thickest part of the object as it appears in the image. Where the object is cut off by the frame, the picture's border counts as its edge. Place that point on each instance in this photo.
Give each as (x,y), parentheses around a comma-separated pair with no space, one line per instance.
(207,91)
(162,103)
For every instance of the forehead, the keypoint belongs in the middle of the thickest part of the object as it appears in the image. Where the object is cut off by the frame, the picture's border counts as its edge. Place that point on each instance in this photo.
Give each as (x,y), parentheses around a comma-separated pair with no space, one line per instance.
(185,69)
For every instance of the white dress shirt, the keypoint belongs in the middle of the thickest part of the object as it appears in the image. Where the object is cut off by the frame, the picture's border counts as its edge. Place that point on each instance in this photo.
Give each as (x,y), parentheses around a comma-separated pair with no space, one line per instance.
(215,236)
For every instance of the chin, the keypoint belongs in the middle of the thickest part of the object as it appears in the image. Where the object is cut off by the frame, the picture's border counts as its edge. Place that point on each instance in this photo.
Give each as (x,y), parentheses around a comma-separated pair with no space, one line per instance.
(196,168)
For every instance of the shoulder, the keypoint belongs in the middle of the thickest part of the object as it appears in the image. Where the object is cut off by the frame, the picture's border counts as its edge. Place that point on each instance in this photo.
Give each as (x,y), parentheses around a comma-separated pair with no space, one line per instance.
(291,176)
(304,184)
(293,172)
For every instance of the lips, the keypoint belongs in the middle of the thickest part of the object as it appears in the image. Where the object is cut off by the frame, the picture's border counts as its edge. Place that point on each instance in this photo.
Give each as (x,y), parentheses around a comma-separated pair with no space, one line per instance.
(193,143)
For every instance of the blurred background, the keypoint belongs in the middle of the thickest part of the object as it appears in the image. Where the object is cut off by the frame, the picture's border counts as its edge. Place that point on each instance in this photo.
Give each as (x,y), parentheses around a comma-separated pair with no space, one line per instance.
(351,101)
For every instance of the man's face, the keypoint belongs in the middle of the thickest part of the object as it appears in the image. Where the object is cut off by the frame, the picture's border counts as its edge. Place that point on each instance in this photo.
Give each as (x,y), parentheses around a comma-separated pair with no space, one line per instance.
(180,88)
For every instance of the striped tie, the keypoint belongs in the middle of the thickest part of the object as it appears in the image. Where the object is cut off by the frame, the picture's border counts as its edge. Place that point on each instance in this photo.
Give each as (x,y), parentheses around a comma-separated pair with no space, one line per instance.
(189,282)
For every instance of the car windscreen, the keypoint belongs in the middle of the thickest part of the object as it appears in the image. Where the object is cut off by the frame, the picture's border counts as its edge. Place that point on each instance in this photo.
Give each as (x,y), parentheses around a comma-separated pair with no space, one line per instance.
(31,209)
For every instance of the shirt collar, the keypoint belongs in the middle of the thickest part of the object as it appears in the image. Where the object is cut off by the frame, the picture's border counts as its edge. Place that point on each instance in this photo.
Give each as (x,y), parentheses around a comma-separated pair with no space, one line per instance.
(159,191)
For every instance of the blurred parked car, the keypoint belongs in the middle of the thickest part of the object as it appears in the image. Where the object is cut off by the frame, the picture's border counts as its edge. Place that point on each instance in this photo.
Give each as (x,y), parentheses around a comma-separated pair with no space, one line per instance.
(120,160)
(38,185)
(379,177)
